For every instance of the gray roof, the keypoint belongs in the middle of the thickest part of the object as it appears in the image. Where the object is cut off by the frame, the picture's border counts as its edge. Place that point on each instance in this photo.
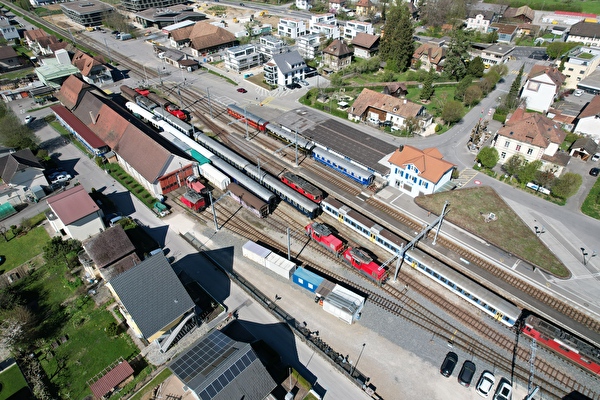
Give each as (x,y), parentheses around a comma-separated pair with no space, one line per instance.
(592,81)
(217,367)
(109,246)
(289,62)
(18,161)
(152,294)
(585,29)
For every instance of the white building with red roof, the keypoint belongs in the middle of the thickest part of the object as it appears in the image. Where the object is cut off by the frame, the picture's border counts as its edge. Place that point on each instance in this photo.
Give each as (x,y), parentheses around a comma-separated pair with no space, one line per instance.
(418,172)
(74,214)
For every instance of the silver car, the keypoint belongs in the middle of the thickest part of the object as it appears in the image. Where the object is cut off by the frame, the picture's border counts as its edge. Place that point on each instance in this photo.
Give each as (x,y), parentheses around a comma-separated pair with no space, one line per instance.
(485,384)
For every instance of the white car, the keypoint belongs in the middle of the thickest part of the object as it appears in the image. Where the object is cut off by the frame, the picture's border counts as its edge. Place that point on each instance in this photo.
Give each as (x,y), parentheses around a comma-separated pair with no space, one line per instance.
(504,390)
(578,93)
(28,119)
(485,384)
(61,178)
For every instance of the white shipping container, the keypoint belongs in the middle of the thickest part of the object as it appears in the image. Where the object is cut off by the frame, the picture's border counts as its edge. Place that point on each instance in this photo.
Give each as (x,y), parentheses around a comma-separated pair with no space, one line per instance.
(256,253)
(214,176)
(343,303)
(280,266)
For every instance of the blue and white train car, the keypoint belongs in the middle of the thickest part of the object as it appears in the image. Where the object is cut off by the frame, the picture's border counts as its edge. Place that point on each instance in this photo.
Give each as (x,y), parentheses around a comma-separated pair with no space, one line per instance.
(243,180)
(361,175)
(290,137)
(144,114)
(222,151)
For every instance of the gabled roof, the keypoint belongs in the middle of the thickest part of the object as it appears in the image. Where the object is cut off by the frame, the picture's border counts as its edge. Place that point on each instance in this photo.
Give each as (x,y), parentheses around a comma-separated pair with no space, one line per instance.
(72,205)
(532,128)
(288,62)
(585,29)
(105,122)
(523,11)
(204,35)
(552,72)
(429,162)
(7,52)
(487,14)
(34,34)
(395,86)
(109,246)
(84,62)
(152,294)
(111,379)
(369,98)
(592,109)
(365,40)
(505,29)
(434,53)
(82,130)
(364,3)
(585,143)
(70,91)
(17,162)
(47,41)
(181,33)
(338,48)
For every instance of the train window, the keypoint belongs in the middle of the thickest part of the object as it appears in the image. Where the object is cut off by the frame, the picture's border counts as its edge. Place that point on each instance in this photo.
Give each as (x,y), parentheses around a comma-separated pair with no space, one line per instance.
(492,309)
(436,275)
(443,279)
(427,270)
(452,285)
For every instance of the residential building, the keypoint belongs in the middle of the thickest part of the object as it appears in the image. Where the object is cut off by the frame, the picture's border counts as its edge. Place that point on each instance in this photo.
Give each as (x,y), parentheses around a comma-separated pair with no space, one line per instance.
(589,119)
(337,55)
(542,87)
(328,18)
(365,45)
(565,113)
(377,108)
(74,214)
(534,137)
(154,302)
(364,8)
(587,33)
(584,148)
(269,45)
(591,84)
(32,35)
(202,38)
(23,174)
(285,69)
(480,20)
(86,12)
(336,5)
(241,58)
(396,89)
(217,367)
(303,4)
(579,64)
(497,53)
(140,5)
(353,28)
(328,31)
(8,31)
(523,14)
(506,32)
(92,69)
(291,27)
(163,17)
(308,46)
(47,46)
(419,172)
(9,59)
(428,56)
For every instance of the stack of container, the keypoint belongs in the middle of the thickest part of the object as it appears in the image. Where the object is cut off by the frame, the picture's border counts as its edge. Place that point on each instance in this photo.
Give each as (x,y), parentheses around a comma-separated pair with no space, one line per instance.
(269,260)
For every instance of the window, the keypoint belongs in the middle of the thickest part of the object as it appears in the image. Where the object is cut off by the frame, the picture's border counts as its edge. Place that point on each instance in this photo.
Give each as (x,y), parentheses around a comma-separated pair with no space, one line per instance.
(518,147)
(503,155)
(570,69)
(507,144)
(530,152)
(533,86)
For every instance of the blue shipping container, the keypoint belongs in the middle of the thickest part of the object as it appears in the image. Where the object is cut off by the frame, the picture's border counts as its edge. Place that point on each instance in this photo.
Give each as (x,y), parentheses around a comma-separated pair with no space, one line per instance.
(308,280)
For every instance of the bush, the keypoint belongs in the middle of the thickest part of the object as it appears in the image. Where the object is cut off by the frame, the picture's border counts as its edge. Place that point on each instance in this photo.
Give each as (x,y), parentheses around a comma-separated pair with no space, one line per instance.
(437,128)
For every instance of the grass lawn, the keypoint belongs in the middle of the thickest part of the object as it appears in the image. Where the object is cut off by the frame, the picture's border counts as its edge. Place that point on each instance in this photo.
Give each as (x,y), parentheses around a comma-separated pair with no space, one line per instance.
(591,204)
(433,107)
(11,381)
(22,73)
(21,249)
(507,232)
(158,379)
(589,6)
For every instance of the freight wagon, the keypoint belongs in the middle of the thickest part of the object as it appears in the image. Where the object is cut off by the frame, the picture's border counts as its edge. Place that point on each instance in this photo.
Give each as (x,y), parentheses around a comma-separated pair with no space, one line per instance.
(269,260)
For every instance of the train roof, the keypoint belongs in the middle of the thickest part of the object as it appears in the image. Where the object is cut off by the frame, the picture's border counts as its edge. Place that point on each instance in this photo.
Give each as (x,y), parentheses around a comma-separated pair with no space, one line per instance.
(246,196)
(247,114)
(220,149)
(290,136)
(303,183)
(243,180)
(347,165)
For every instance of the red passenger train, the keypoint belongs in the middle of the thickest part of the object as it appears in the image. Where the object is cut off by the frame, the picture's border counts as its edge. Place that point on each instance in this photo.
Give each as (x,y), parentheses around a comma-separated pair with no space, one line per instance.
(564,343)
(243,115)
(365,264)
(302,186)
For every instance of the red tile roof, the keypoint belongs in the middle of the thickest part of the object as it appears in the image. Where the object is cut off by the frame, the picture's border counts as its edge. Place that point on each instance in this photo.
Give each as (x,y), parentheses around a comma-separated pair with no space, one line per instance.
(434,53)
(34,34)
(70,90)
(112,378)
(532,128)
(592,109)
(338,48)
(365,40)
(553,73)
(385,102)
(204,36)
(78,126)
(72,204)
(84,62)
(429,162)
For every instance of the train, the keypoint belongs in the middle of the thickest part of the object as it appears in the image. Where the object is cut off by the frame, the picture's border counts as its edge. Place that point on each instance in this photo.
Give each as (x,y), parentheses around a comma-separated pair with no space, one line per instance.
(343,166)
(243,115)
(562,342)
(167,105)
(247,200)
(302,186)
(150,101)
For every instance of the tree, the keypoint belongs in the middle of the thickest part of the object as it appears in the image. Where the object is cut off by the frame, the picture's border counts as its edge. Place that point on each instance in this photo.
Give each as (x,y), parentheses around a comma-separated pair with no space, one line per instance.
(514,164)
(458,52)
(411,125)
(476,67)
(472,95)
(14,134)
(462,86)
(566,185)
(439,12)
(452,112)
(512,98)
(545,178)
(428,89)
(488,157)
(558,49)
(397,45)
(528,171)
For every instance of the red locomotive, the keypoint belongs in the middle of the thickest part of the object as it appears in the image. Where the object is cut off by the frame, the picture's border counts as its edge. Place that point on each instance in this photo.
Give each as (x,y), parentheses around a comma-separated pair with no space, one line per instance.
(245,116)
(175,111)
(193,183)
(563,343)
(302,186)
(142,91)
(322,235)
(362,262)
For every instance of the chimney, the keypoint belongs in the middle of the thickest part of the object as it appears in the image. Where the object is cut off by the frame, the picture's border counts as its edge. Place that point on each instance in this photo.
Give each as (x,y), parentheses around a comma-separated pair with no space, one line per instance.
(400,148)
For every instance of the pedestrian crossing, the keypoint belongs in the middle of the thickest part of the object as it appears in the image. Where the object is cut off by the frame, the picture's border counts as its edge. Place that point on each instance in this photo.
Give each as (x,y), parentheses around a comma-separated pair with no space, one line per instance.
(514,72)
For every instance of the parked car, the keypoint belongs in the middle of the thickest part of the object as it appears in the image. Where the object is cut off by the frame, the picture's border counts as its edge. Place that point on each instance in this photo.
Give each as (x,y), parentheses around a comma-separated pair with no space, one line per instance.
(485,384)
(596,157)
(28,119)
(242,90)
(61,178)
(304,82)
(114,220)
(242,4)
(504,390)
(594,171)
(578,93)
(448,364)
(466,374)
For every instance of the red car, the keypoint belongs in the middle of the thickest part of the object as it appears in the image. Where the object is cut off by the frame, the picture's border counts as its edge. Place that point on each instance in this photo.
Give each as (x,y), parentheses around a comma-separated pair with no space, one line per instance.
(242,90)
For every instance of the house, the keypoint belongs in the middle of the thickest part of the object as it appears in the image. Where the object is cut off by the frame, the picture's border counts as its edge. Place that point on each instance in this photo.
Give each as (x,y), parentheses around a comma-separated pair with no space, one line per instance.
(291,27)
(219,368)
(32,35)
(533,136)
(140,5)
(428,56)
(9,59)
(54,71)
(419,172)
(93,70)
(74,214)
(336,5)
(584,148)
(202,37)
(23,173)
(308,46)
(579,63)
(365,45)
(113,377)
(86,13)
(587,33)
(8,31)
(337,55)
(241,58)
(47,45)
(154,302)
(353,28)
(565,113)
(495,54)
(523,14)
(327,30)
(542,87)
(285,69)
(589,119)
(377,108)
(108,254)
(396,89)
(591,84)
(303,4)
(506,32)
(364,8)
(480,20)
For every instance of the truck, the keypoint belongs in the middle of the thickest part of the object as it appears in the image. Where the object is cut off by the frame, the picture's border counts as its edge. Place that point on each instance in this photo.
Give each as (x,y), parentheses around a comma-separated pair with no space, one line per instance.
(161,209)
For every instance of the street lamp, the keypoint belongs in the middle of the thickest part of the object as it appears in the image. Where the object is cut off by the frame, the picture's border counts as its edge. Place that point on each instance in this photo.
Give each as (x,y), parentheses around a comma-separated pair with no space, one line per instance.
(585,255)
(358,359)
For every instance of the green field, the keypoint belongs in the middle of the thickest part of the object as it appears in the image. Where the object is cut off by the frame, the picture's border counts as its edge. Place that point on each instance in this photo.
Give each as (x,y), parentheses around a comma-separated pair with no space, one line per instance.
(19,250)
(586,6)
(507,232)
(11,381)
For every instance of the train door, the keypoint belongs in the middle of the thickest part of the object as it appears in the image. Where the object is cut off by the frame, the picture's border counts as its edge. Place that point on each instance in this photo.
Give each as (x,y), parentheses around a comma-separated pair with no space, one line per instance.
(499,316)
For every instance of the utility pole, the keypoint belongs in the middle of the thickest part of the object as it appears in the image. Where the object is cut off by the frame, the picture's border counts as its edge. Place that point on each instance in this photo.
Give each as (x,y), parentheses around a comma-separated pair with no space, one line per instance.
(209,103)
(214,213)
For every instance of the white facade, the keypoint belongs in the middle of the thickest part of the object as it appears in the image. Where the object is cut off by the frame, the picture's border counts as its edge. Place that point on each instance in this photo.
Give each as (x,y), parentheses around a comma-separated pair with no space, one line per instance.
(269,46)
(285,69)
(589,126)
(241,58)
(327,30)
(478,23)
(539,93)
(308,46)
(291,27)
(303,4)
(323,19)
(408,180)
(353,28)
(587,41)
(582,62)
(83,228)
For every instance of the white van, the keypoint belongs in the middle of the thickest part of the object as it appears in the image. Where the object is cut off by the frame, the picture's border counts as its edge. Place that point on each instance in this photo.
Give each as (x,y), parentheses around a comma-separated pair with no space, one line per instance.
(114,220)
(155,252)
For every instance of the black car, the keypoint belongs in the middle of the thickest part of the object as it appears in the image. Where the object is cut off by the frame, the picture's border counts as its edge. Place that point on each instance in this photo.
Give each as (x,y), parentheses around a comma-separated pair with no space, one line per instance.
(594,171)
(466,373)
(448,364)
(114,32)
